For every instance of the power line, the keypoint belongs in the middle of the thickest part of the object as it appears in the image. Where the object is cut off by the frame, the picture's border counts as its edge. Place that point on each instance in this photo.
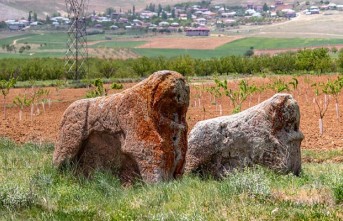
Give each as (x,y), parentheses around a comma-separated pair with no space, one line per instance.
(77,54)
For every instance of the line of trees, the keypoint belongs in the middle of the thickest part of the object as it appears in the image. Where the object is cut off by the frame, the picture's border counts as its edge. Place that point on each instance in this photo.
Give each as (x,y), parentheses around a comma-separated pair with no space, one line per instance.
(314,61)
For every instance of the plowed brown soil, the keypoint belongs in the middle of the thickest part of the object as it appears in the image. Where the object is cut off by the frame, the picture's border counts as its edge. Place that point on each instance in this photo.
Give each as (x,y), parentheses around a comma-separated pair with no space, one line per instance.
(199,43)
(44,126)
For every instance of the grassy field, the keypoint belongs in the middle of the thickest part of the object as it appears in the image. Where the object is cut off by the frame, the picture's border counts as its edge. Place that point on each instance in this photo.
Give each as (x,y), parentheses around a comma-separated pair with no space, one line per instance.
(9,40)
(31,189)
(53,45)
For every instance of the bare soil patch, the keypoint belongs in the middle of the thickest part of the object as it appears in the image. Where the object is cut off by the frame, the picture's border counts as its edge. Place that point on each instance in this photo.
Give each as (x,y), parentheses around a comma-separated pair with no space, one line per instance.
(183,42)
(112,53)
(44,126)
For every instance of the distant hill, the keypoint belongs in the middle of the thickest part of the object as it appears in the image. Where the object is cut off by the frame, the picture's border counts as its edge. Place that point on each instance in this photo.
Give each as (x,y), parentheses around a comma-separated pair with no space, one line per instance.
(16,9)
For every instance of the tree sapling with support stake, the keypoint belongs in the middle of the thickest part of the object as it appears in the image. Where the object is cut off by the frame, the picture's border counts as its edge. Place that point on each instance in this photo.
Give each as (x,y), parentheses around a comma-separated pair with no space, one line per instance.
(5,87)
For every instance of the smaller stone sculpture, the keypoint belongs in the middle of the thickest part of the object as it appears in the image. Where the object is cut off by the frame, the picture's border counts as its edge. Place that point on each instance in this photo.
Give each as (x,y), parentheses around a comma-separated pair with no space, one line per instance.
(267,134)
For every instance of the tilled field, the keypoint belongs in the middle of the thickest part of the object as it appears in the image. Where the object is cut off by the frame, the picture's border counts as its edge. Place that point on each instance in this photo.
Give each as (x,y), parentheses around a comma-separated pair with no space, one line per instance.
(44,126)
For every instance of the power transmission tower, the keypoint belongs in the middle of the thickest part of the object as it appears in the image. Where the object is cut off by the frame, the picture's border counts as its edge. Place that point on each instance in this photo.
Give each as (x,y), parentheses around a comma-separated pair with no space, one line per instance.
(76,55)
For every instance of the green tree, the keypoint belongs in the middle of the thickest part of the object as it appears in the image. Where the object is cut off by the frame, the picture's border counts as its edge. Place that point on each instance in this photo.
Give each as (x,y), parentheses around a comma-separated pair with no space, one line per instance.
(3,25)
(168,8)
(164,15)
(340,59)
(35,17)
(142,66)
(265,7)
(21,49)
(47,19)
(159,10)
(5,86)
(314,60)
(152,7)
(109,11)
(183,64)
(30,16)
(107,68)
(249,52)
(173,13)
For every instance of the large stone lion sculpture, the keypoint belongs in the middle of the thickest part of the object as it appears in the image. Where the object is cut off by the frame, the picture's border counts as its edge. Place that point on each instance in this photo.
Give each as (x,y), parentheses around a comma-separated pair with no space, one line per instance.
(140,133)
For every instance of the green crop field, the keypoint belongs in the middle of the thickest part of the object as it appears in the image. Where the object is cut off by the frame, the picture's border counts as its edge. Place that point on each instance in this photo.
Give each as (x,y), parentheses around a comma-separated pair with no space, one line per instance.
(38,54)
(31,189)
(54,44)
(279,43)
(9,40)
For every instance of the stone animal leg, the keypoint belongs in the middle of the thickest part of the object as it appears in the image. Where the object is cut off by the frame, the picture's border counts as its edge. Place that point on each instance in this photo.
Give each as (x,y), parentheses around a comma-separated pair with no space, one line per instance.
(73,131)
(148,158)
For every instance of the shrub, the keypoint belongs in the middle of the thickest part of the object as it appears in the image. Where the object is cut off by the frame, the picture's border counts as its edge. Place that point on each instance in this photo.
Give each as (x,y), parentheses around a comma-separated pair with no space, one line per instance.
(98,90)
(116,86)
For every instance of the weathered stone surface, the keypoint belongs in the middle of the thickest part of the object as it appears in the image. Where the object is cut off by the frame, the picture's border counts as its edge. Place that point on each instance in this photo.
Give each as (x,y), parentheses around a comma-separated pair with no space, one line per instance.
(140,133)
(267,134)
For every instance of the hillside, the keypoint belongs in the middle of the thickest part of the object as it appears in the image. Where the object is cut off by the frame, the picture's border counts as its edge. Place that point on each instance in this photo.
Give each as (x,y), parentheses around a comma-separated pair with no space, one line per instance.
(15,9)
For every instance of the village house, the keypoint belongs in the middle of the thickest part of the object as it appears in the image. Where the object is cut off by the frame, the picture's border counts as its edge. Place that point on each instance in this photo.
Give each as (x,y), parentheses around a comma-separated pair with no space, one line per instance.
(183,16)
(197,31)
(201,21)
(147,14)
(228,14)
(314,10)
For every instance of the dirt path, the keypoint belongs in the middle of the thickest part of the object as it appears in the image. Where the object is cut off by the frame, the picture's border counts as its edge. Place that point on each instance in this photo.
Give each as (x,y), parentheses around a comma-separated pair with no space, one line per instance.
(16,40)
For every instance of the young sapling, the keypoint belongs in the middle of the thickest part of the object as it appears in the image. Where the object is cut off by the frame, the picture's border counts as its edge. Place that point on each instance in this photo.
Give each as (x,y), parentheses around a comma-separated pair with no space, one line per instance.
(238,96)
(215,92)
(5,86)
(279,86)
(334,88)
(320,106)
(98,89)
(22,102)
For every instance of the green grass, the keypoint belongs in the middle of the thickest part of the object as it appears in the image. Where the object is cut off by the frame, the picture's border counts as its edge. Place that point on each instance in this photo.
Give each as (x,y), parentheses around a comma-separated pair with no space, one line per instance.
(321,156)
(31,189)
(35,54)
(46,38)
(58,40)
(279,43)
(9,40)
